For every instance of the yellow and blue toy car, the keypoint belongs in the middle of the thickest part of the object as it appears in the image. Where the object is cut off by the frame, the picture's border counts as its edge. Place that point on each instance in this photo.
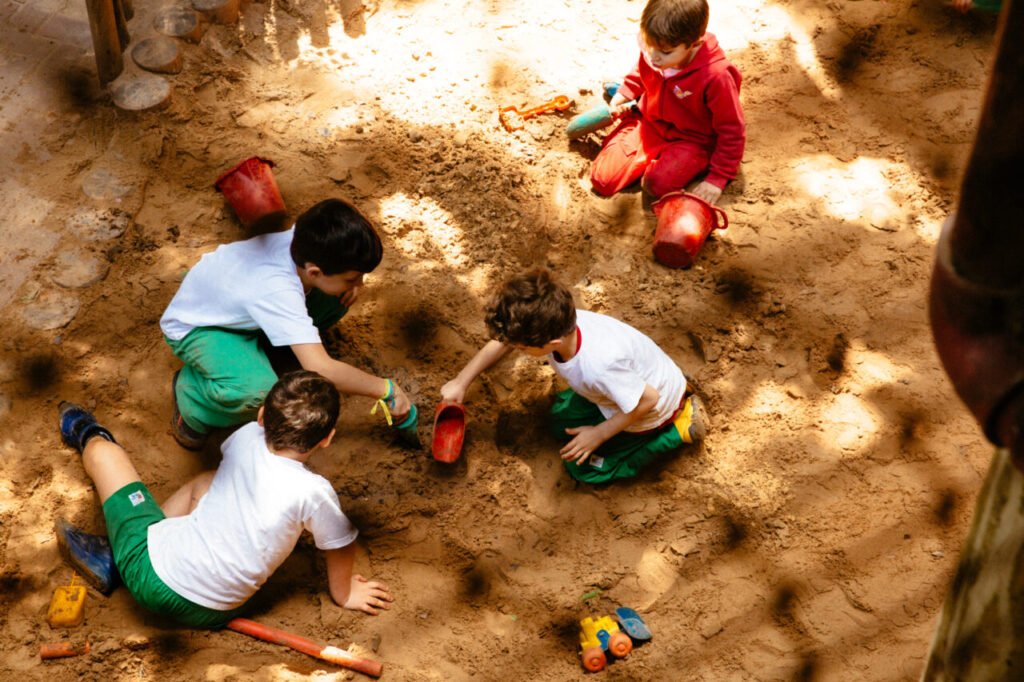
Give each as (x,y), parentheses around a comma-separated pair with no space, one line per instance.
(604,634)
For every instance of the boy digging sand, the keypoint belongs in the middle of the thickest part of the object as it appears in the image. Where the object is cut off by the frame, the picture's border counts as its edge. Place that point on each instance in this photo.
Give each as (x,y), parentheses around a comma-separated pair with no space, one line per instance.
(282,287)
(687,122)
(627,401)
(200,556)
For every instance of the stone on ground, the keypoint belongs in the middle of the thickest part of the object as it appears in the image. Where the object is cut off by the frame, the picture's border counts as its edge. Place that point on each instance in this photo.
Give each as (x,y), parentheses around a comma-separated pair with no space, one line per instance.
(79,269)
(159,54)
(50,310)
(141,93)
(219,11)
(98,225)
(178,22)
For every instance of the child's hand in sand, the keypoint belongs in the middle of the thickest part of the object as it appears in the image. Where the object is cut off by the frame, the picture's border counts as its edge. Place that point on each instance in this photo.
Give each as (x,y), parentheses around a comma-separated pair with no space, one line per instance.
(368,596)
(588,439)
(708,192)
(453,392)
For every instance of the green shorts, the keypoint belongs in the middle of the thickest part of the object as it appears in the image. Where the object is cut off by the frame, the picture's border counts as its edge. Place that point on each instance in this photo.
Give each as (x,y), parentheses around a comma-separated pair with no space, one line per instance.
(227,373)
(129,513)
(623,455)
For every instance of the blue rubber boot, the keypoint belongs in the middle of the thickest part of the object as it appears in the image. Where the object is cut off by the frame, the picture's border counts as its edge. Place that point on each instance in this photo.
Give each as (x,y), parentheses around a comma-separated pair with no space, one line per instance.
(88,554)
(77,426)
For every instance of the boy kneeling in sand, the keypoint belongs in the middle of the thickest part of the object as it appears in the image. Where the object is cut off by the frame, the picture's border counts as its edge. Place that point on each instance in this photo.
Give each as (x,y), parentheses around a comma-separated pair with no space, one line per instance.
(283,289)
(627,401)
(214,542)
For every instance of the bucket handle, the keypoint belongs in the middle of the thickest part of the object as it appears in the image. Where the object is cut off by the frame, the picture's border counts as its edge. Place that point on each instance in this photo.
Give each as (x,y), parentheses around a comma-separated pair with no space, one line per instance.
(720,213)
(721,218)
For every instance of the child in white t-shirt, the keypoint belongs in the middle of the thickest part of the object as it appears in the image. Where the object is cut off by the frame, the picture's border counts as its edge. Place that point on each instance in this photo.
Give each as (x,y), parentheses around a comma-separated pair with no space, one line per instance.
(627,400)
(200,556)
(282,288)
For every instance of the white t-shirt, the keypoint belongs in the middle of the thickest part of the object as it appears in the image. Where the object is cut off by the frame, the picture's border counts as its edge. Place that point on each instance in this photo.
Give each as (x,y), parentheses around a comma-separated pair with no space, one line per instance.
(248,285)
(614,362)
(246,525)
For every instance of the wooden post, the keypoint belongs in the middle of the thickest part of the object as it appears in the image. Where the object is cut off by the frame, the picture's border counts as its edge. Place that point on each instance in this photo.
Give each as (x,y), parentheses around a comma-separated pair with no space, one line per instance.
(121,16)
(106,39)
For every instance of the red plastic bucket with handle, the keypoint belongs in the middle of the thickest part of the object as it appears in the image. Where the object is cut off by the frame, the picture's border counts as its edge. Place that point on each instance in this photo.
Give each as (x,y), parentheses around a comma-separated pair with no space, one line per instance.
(684,223)
(251,190)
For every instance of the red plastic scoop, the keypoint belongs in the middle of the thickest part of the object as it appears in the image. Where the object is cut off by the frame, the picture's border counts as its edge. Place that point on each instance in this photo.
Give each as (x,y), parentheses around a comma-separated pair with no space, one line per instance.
(449,431)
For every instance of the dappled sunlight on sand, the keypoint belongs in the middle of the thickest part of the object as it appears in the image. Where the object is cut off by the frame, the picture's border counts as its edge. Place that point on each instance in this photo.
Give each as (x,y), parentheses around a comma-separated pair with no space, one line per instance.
(872,370)
(851,423)
(410,220)
(731,24)
(870,182)
(656,576)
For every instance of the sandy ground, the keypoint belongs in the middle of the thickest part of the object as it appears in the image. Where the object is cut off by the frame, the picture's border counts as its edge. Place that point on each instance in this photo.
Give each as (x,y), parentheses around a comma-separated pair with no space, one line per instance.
(811,537)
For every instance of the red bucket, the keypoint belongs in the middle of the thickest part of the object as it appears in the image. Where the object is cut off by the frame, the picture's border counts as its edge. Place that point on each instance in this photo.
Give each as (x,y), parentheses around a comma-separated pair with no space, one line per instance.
(251,190)
(684,223)
(449,431)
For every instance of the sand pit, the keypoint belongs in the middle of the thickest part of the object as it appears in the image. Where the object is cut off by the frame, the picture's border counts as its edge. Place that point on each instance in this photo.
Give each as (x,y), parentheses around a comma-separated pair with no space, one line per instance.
(811,537)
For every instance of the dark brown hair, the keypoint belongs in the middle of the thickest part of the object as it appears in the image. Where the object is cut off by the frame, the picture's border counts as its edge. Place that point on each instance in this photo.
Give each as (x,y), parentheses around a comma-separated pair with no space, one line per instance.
(669,23)
(337,238)
(300,411)
(531,309)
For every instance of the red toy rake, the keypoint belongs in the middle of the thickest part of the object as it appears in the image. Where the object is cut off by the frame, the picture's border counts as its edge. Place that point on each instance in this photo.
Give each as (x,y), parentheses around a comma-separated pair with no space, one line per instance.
(513,119)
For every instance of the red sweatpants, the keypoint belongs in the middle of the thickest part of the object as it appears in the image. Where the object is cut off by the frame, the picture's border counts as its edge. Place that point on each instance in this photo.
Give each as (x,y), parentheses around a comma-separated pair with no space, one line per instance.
(633,150)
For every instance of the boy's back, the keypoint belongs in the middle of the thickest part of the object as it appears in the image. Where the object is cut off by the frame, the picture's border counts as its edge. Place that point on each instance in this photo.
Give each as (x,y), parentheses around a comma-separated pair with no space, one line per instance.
(246,524)
(614,362)
(283,287)
(245,285)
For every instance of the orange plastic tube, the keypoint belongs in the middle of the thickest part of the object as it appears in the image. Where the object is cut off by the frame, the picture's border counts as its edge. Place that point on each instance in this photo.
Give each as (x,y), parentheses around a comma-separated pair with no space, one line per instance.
(49,650)
(331,654)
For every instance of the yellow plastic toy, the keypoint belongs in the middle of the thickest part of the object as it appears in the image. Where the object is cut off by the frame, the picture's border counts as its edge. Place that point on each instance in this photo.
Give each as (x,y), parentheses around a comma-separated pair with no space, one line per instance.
(598,635)
(67,607)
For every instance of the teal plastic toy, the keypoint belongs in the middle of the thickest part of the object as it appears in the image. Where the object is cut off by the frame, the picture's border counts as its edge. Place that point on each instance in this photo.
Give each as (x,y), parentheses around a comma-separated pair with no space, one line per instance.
(595,119)
(407,430)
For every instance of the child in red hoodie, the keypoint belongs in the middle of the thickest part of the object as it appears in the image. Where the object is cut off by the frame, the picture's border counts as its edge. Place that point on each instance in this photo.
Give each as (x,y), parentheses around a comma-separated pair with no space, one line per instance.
(686,122)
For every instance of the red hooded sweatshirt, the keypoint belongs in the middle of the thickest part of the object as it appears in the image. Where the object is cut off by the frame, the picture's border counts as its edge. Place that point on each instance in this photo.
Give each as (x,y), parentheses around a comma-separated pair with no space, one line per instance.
(700,104)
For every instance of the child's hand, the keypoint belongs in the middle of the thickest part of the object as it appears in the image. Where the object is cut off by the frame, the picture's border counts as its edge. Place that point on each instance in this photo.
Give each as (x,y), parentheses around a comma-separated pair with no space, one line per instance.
(708,192)
(588,439)
(350,296)
(619,105)
(402,404)
(453,392)
(368,597)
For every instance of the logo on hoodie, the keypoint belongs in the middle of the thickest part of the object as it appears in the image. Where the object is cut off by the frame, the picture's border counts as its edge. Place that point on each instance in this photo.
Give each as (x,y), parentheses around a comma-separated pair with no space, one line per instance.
(680,93)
